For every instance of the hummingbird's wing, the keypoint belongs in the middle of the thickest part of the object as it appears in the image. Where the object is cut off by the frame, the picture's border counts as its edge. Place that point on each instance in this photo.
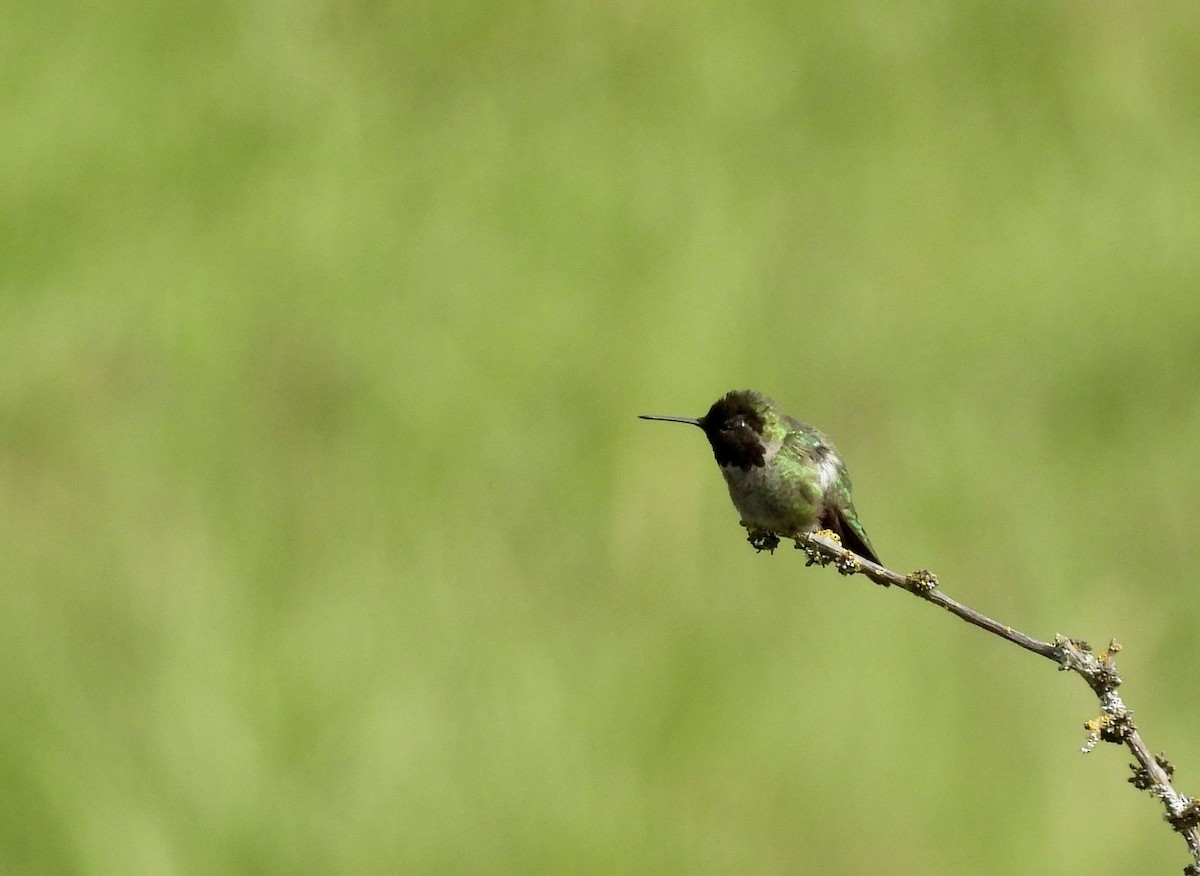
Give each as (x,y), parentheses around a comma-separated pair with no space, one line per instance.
(837,512)
(844,521)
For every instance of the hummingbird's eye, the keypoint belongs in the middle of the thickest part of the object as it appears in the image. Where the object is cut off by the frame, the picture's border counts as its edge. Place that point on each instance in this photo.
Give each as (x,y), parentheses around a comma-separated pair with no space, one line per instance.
(737,424)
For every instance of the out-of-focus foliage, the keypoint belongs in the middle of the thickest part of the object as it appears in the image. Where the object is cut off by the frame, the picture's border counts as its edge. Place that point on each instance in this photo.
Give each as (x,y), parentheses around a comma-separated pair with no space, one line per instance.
(331,543)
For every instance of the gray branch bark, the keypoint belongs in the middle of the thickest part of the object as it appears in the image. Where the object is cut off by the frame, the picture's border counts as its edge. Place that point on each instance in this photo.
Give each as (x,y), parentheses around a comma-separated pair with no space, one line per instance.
(1152,773)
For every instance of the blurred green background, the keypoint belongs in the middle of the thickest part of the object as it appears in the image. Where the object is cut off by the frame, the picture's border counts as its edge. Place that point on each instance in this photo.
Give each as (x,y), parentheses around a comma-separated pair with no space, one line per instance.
(331,541)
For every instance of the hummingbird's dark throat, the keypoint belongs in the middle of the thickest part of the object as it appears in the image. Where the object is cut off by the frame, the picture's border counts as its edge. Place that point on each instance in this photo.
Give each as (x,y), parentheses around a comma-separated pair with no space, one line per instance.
(738,450)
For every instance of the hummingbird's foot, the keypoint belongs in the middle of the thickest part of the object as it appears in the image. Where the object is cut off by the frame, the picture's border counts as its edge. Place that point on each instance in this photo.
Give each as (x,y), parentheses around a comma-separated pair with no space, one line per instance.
(761,540)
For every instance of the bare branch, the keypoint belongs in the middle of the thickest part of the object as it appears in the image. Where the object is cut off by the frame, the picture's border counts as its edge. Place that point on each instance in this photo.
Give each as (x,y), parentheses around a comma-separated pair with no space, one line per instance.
(1115,723)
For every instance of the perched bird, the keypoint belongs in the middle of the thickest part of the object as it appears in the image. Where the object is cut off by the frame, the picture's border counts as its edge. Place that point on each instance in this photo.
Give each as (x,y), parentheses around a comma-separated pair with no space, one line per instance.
(785,477)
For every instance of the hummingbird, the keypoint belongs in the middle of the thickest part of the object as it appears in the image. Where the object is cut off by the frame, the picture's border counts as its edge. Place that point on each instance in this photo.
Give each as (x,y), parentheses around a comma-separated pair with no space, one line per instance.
(785,477)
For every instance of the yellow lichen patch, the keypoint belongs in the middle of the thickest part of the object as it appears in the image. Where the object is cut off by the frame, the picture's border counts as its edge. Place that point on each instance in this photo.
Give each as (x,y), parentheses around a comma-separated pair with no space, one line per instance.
(921,581)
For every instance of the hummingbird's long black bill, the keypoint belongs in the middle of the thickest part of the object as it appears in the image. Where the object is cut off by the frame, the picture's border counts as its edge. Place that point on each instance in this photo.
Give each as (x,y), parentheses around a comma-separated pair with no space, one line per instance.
(691,421)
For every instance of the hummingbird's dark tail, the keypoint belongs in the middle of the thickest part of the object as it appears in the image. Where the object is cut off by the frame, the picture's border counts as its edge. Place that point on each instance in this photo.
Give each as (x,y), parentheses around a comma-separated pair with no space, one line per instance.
(860,546)
(851,539)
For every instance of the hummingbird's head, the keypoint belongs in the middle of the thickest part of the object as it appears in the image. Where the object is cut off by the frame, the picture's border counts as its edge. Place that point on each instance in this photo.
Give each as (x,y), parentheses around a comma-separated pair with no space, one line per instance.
(734,427)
